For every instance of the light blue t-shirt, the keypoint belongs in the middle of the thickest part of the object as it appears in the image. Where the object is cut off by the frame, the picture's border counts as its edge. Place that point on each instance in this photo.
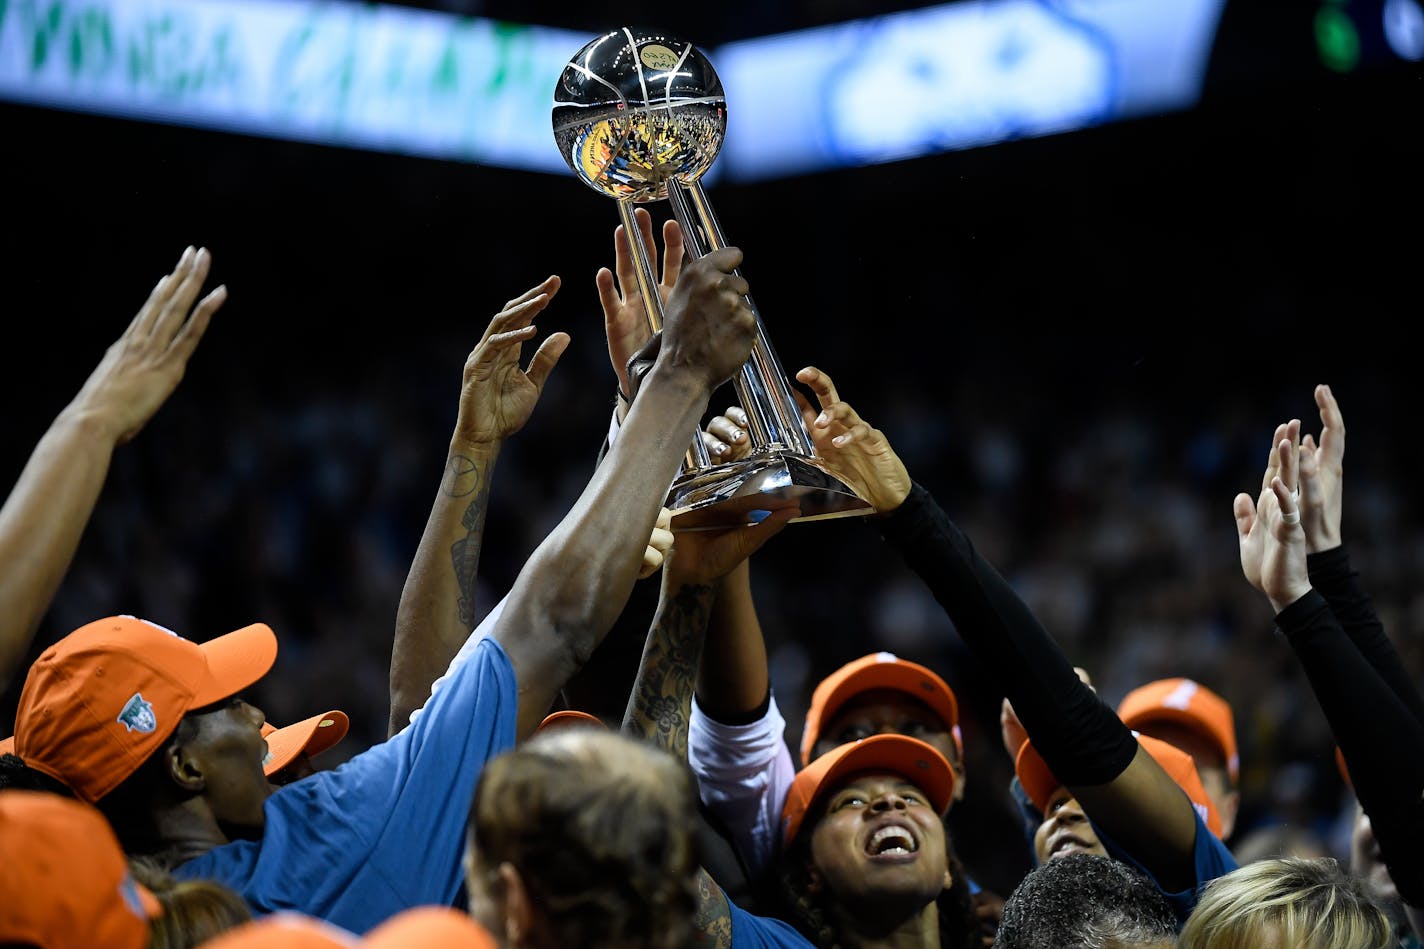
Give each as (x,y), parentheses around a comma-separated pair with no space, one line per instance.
(386,830)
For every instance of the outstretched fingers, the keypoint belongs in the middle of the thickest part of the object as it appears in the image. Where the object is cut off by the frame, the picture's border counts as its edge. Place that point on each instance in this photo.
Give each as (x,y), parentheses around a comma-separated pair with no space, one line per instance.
(1288,456)
(175,311)
(672,252)
(1332,428)
(1273,463)
(519,313)
(548,286)
(820,384)
(192,331)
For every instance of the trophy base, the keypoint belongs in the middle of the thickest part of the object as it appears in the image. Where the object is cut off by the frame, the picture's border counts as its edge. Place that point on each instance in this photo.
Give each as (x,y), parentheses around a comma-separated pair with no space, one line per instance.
(742,493)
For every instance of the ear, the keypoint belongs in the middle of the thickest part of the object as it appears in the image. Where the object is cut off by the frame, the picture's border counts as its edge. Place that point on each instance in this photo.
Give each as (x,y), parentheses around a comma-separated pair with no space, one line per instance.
(958,768)
(518,908)
(948,878)
(184,769)
(815,883)
(1230,806)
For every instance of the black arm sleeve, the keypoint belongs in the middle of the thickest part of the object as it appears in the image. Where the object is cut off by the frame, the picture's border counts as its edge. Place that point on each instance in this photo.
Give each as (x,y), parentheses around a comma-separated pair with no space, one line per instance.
(1079,737)
(1377,732)
(1337,581)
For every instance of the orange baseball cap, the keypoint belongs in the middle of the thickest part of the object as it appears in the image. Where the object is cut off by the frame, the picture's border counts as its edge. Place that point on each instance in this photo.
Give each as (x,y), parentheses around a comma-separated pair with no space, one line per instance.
(99,702)
(7,746)
(568,717)
(914,760)
(1185,702)
(64,881)
(879,670)
(285,930)
(1039,783)
(430,927)
(313,736)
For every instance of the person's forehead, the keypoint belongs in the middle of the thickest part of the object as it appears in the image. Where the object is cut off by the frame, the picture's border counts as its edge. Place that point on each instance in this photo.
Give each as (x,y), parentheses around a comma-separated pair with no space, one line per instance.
(874,780)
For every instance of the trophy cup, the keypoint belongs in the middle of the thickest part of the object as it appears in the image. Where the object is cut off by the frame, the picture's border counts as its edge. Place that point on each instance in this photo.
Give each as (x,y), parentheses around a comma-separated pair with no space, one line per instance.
(639,115)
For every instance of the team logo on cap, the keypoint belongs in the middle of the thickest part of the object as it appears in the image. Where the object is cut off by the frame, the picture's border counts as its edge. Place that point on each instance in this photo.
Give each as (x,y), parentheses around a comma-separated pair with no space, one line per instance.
(137,715)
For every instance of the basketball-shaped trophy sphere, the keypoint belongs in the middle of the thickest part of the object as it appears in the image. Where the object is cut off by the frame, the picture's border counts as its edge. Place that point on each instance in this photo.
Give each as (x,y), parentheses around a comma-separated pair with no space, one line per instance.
(635,108)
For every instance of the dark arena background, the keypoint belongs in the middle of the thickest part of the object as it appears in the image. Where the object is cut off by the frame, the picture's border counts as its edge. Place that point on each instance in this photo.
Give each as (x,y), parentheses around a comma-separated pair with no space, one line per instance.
(1080,341)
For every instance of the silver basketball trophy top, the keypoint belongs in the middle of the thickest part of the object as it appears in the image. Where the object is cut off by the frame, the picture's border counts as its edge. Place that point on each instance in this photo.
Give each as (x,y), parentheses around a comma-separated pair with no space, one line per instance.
(635,109)
(639,115)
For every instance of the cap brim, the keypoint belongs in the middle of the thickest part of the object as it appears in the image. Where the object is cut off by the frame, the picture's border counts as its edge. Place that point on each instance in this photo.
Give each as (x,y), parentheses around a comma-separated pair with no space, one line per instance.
(917,762)
(568,717)
(235,662)
(313,736)
(1187,718)
(898,675)
(285,930)
(430,927)
(1034,776)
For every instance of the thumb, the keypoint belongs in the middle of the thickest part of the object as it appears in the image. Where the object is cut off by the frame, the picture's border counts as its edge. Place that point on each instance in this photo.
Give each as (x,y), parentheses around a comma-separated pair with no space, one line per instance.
(751,539)
(546,358)
(1244,511)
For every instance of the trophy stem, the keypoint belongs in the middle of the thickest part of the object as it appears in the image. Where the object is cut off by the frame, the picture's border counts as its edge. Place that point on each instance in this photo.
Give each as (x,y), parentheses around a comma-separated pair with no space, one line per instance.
(773,417)
(697,456)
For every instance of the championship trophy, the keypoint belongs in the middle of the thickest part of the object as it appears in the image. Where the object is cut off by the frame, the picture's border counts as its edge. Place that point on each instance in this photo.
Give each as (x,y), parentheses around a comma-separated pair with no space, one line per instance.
(639,115)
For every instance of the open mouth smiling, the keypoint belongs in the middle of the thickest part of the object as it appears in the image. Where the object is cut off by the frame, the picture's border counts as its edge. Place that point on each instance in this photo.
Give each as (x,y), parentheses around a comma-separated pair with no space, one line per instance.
(892,842)
(1064,844)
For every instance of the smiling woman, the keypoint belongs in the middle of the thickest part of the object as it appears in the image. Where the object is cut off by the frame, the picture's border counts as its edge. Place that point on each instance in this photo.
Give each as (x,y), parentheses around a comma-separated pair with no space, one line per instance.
(867,856)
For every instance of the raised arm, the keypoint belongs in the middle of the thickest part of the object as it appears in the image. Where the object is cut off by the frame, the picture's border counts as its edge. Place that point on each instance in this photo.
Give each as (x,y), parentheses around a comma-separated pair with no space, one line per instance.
(1118,784)
(1380,736)
(437,605)
(578,580)
(49,507)
(660,706)
(1322,471)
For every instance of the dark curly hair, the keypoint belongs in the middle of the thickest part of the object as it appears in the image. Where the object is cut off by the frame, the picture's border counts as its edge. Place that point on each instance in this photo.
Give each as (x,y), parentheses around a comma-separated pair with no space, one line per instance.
(1085,900)
(602,831)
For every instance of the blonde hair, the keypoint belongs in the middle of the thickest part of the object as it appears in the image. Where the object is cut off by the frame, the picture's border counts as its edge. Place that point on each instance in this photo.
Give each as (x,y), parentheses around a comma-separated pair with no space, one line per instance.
(1288,902)
(194,911)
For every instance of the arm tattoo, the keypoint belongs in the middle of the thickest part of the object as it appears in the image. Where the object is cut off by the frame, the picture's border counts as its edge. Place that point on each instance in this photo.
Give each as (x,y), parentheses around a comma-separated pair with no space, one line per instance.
(712,920)
(463,477)
(661,703)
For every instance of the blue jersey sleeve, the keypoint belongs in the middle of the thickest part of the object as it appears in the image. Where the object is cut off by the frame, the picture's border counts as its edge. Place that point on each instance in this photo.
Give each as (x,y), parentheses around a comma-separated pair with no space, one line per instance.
(1210,859)
(386,830)
(763,932)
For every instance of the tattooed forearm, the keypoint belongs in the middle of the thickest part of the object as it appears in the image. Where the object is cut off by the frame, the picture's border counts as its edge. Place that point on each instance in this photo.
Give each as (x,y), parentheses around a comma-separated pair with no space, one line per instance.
(712,921)
(661,703)
(463,477)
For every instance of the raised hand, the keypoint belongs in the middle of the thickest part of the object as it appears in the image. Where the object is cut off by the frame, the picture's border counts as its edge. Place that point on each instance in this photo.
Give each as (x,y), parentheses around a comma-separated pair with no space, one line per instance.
(142,367)
(709,328)
(727,436)
(1322,476)
(625,319)
(498,397)
(850,448)
(702,557)
(1271,539)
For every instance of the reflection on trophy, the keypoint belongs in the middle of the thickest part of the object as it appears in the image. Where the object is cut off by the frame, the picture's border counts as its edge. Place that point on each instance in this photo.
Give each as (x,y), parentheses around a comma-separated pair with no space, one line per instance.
(640,115)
